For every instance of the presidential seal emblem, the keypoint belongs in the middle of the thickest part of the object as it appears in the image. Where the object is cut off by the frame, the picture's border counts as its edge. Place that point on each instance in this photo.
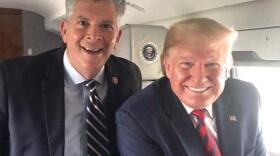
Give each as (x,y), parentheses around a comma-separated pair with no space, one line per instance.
(149,53)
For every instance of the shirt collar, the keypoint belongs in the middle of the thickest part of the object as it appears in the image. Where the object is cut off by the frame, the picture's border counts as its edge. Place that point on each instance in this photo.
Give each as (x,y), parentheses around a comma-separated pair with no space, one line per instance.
(208,108)
(72,76)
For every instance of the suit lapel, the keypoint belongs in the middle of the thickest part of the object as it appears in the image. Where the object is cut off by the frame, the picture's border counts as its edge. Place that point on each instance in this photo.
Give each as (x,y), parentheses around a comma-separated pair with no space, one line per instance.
(113,77)
(179,120)
(53,101)
(112,100)
(228,126)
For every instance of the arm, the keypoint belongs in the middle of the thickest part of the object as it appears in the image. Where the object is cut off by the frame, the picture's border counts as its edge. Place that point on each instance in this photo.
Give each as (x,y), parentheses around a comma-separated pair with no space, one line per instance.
(138,77)
(260,149)
(4,133)
(135,77)
(132,140)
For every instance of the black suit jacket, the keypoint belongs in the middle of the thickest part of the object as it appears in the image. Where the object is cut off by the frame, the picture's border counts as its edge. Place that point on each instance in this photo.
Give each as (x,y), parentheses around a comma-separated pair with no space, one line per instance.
(153,122)
(32,102)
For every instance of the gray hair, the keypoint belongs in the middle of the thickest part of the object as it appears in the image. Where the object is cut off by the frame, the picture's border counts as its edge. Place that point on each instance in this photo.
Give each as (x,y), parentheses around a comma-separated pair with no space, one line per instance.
(119,4)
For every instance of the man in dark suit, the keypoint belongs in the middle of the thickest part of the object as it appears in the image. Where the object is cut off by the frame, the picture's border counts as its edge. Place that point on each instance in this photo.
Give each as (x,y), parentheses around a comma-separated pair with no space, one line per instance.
(44,100)
(195,110)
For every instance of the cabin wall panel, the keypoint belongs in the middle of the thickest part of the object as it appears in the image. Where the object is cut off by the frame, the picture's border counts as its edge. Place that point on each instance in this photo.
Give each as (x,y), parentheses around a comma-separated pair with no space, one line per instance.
(257,21)
(36,38)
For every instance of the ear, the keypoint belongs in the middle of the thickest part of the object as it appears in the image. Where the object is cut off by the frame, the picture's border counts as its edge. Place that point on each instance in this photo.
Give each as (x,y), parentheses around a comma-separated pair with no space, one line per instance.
(166,65)
(63,30)
(228,72)
(118,38)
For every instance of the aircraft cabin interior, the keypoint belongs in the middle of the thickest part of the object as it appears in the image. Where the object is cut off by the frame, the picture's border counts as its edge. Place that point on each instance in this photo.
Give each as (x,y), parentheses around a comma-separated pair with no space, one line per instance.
(31,27)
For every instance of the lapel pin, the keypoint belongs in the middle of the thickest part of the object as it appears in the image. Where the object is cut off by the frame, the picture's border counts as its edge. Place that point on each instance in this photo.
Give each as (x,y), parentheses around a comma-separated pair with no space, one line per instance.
(232,118)
(115,80)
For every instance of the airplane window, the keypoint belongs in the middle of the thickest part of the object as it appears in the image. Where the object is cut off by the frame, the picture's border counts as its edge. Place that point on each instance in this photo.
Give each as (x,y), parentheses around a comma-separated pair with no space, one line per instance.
(266,79)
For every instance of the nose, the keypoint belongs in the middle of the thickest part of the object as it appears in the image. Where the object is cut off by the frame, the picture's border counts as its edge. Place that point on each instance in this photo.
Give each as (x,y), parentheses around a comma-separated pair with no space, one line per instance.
(199,73)
(94,33)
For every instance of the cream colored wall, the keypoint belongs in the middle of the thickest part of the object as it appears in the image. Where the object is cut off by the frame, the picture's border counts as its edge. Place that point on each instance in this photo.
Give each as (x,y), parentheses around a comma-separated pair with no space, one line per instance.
(261,17)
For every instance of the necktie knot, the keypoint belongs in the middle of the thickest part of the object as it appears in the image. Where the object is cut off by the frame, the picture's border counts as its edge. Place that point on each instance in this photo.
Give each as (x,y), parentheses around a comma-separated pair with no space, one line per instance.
(200,113)
(90,84)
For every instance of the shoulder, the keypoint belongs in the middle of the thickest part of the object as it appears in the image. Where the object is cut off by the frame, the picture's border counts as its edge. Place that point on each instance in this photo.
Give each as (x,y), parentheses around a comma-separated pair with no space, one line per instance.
(128,71)
(243,95)
(239,87)
(141,99)
(121,63)
(146,102)
(21,62)
(141,107)
(238,83)
(145,110)
(16,68)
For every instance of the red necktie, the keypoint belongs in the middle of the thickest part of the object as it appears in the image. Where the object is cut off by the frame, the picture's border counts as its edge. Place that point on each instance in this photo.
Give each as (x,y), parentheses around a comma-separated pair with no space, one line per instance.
(209,142)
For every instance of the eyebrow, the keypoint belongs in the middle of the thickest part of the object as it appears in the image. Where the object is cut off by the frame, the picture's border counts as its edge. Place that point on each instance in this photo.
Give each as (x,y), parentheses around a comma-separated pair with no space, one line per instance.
(103,21)
(83,18)
(107,21)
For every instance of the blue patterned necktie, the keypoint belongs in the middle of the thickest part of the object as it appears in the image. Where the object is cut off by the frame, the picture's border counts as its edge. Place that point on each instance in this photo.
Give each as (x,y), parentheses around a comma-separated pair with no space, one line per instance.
(97,137)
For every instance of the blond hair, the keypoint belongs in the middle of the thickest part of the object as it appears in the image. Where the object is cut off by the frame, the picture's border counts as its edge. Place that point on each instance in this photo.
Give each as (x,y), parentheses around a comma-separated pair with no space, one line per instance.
(200,32)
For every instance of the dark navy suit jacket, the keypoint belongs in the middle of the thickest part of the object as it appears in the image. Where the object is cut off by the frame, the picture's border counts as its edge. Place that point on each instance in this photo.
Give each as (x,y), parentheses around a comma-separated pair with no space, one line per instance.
(32,102)
(154,123)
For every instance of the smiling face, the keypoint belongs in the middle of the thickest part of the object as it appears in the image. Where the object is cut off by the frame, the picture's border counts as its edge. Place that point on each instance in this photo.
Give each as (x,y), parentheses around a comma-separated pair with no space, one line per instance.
(91,34)
(197,75)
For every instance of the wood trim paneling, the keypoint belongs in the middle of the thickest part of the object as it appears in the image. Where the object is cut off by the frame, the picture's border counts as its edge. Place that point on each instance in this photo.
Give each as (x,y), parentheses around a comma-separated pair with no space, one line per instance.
(11,39)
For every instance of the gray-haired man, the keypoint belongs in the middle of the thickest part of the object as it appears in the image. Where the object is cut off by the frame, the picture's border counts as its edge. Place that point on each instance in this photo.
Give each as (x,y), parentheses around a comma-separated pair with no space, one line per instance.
(44,99)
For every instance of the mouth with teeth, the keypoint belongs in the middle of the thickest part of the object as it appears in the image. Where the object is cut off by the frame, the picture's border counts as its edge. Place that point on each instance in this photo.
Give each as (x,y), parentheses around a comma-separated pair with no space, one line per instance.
(92,50)
(198,90)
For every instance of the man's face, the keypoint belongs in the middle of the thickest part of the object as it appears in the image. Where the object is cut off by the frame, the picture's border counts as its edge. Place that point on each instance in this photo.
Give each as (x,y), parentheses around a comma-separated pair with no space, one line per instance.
(91,33)
(197,76)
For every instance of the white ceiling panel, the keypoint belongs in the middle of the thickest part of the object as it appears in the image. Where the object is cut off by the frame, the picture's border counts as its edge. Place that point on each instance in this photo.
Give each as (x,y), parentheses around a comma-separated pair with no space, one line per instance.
(53,10)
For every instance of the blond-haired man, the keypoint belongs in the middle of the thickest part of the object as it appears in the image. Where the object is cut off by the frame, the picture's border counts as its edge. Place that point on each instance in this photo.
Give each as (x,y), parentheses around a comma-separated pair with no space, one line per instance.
(196,109)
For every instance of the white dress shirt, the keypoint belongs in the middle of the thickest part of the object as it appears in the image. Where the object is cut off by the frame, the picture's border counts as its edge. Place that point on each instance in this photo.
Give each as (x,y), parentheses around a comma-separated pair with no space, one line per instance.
(76,95)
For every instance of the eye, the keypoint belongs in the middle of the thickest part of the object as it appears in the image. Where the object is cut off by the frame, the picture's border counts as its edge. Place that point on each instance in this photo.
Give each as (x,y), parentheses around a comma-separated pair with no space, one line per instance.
(82,23)
(107,26)
(212,65)
(187,64)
